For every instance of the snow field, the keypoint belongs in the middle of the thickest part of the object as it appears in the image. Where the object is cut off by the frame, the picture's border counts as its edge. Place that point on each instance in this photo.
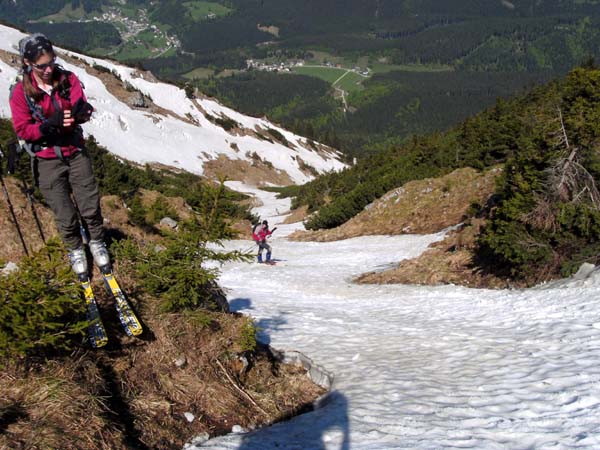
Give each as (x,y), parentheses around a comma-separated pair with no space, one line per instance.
(417,366)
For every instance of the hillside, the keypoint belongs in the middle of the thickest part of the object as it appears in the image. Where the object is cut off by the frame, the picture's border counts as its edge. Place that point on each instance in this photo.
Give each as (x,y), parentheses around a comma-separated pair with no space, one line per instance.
(418,207)
(194,134)
(409,67)
(541,221)
(197,370)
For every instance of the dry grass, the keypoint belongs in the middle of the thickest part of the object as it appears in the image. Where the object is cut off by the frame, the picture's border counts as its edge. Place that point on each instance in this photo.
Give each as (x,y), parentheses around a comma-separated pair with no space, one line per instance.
(61,404)
(254,172)
(423,207)
(418,207)
(132,394)
(446,262)
(11,248)
(213,384)
(297,215)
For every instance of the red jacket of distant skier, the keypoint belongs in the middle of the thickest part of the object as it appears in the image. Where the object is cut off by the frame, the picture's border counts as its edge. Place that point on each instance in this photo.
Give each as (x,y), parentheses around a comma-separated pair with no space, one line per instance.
(261,234)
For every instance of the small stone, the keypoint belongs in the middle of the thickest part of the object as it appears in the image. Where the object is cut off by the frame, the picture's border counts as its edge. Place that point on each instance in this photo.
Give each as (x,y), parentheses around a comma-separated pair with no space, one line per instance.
(181,361)
(189,417)
(584,271)
(200,439)
(237,429)
(167,221)
(9,268)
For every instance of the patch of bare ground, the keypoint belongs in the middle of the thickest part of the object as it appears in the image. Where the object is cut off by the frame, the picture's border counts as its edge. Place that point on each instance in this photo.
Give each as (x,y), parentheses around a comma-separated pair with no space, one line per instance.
(418,207)
(137,393)
(11,248)
(297,215)
(11,59)
(140,392)
(423,207)
(449,261)
(256,172)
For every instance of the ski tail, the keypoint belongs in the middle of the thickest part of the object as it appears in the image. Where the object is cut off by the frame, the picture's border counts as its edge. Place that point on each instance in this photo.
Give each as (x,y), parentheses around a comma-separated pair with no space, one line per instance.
(96,330)
(129,320)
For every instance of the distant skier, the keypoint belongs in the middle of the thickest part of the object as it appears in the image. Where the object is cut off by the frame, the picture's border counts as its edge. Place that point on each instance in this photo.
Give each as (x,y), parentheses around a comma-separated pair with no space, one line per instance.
(260,232)
(48,105)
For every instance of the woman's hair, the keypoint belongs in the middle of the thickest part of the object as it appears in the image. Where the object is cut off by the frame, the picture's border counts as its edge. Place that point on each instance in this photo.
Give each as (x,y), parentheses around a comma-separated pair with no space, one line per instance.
(32,48)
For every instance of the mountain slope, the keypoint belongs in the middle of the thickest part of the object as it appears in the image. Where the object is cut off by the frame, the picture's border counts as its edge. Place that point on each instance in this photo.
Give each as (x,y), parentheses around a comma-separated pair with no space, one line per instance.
(183,133)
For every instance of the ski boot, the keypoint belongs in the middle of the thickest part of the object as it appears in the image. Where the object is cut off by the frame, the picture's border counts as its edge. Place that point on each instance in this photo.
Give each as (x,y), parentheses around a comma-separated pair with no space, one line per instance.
(78,260)
(100,254)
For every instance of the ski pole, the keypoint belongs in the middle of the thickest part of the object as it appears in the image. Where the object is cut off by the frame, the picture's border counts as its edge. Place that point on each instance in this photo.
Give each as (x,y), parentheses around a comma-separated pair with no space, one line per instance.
(27,191)
(248,249)
(10,207)
(29,194)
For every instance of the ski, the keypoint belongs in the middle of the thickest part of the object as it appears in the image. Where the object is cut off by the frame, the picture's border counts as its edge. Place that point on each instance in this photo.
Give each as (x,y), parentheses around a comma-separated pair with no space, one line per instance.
(96,330)
(129,320)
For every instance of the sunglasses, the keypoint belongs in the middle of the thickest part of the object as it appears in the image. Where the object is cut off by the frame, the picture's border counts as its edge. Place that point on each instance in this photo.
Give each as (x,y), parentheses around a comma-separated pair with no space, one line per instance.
(43,67)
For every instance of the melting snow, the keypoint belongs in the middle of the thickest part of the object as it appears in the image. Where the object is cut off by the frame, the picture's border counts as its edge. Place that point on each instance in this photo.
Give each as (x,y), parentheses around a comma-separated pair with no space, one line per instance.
(139,136)
(416,366)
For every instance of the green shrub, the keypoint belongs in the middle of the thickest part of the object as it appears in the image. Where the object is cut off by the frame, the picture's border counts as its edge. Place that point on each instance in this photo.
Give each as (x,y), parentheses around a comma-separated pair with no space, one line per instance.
(176,271)
(136,212)
(278,136)
(159,209)
(548,220)
(246,340)
(41,309)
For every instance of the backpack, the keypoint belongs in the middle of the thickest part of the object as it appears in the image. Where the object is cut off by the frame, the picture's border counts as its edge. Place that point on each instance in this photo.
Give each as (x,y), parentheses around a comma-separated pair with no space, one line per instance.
(254,235)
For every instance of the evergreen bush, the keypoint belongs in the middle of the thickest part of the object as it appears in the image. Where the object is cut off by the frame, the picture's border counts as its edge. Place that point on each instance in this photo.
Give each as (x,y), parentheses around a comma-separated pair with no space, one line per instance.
(548,220)
(41,308)
(177,271)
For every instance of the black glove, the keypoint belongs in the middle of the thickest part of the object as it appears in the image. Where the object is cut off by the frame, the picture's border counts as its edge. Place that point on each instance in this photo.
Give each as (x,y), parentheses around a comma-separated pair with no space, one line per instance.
(82,111)
(51,126)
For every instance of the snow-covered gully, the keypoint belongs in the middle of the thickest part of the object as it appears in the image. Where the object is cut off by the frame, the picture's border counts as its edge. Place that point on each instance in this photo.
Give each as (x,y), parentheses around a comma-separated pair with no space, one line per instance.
(421,367)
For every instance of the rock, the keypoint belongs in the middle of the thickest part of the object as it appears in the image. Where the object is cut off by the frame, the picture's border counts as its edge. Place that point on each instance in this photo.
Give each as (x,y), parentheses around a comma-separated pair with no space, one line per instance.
(197,441)
(189,417)
(181,361)
(237,429)
(137,100)
(584,271)
(316,373)
(245,364)
(9,268)
(168,222)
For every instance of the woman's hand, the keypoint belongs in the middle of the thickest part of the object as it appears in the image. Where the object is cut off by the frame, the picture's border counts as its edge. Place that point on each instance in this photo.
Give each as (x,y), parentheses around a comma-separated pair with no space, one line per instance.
(68,120)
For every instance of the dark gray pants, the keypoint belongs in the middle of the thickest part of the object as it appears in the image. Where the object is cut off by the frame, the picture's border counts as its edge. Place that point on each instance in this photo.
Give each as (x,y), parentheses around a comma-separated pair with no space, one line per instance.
(56,180)
(263,246)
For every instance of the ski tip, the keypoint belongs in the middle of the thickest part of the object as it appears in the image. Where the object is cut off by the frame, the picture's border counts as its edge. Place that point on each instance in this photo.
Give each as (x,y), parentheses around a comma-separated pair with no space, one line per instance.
(99,342)
(136,331)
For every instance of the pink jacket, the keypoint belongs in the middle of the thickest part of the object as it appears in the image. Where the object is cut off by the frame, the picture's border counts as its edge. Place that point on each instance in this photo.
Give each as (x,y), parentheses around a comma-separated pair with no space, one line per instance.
(28,129)
(261,234)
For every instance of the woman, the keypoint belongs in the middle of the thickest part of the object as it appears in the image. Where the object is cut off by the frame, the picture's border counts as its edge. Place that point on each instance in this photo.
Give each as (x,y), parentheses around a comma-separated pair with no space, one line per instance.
(47,105)
(260,237)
